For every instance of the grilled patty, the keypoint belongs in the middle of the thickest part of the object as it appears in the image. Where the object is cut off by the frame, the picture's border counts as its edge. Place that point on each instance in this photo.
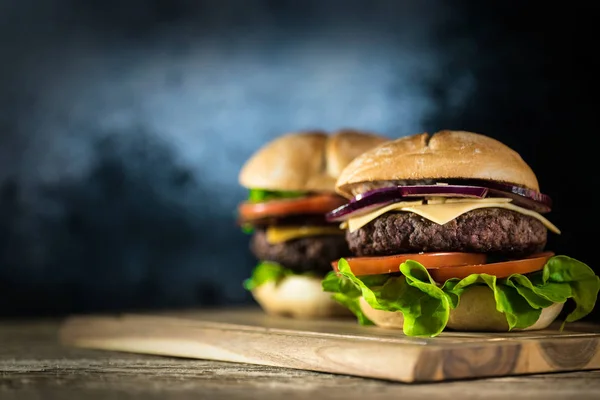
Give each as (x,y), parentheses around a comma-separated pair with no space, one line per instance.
(310,254)
(490,230)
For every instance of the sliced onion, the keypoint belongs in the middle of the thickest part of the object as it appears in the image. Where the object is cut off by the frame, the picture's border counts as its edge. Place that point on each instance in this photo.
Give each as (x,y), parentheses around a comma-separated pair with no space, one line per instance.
(377,198)
(366,202)
(521,191)
(427,190)
(522,201)
(543,206)
(354,209)
(521,196)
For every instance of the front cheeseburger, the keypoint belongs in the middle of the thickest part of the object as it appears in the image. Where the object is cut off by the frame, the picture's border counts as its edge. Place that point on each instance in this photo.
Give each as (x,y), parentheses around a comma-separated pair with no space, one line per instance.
(448,231)
(291,184)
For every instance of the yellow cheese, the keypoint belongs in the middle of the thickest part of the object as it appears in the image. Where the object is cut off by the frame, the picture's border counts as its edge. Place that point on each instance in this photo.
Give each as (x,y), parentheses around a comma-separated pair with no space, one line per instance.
(447,211)
(280,234)
(362,220)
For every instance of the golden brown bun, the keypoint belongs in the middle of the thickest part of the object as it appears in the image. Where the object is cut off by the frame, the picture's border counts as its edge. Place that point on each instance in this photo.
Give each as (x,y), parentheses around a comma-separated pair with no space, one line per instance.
(305,161)
(476,312)
(297,297)
(445,154)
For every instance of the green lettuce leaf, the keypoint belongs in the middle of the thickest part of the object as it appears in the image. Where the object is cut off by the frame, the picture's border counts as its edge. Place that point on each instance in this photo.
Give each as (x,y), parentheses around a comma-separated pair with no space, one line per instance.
(426,305)
(247,228)
(584,284)
(522,297)
(429,316)
(266,271)
(260,195)
(519,313)
(348,294)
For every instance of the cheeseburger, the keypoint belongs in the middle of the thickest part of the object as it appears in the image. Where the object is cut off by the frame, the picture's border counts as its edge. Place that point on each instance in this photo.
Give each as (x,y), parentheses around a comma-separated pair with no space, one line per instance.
(449,231)
(291,183)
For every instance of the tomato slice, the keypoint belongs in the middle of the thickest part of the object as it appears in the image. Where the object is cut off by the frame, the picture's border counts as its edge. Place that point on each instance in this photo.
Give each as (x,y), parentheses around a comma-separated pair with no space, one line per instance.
(444,266)
(388,264)
(317,204)
(503,269)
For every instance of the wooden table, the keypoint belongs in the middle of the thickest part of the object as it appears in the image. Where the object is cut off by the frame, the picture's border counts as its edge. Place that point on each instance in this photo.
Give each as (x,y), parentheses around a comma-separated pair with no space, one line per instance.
(34,366)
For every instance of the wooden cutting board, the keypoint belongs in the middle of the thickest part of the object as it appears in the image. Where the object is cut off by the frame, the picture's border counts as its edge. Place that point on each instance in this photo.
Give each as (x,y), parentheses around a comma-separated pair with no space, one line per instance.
(337,346)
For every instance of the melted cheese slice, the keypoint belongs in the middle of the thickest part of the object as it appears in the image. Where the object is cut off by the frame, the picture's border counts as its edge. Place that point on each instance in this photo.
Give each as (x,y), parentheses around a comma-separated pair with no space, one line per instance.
(280,234)
(444,212)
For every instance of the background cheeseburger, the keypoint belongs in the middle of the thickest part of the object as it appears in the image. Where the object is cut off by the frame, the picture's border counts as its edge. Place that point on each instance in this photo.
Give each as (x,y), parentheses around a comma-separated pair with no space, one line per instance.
(448,232)
(291,184)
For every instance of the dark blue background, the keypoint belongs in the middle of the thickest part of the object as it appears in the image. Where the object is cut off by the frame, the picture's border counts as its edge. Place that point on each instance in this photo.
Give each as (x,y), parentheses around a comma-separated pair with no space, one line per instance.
(124,124)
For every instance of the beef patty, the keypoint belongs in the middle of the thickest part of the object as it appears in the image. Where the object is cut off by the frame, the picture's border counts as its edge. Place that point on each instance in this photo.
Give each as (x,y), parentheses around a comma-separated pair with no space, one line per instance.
(310,254)
(488,230)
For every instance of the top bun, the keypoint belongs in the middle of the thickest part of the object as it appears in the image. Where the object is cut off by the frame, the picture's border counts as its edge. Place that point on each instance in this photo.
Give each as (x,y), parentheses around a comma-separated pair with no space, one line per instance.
(305,161)
(443,155)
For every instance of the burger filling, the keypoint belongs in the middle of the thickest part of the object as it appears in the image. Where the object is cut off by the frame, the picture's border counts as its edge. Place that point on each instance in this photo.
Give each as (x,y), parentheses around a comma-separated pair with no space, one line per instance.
(419,247)
(307,254)
(290,234)
(487,230)
(426,303)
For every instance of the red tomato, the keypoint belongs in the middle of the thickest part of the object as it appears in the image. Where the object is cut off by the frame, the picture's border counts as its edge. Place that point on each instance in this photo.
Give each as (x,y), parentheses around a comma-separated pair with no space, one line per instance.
(317,204)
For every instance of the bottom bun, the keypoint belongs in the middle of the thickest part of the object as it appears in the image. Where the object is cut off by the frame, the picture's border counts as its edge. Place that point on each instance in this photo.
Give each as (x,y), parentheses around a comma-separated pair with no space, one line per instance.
(297,296)
(476,312)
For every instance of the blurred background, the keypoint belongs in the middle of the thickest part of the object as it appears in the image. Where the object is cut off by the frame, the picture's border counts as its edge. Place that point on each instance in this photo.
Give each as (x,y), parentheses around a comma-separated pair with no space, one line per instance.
(123,125)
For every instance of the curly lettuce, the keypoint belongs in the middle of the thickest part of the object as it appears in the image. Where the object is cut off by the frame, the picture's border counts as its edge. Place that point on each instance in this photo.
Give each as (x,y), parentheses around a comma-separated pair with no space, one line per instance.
(267,271)
(264,272)
(426,304)
(261,195)
(347,293)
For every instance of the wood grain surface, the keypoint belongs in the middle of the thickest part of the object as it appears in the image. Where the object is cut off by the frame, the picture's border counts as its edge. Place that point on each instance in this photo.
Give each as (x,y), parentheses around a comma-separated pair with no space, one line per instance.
(338,346)
(33,365)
